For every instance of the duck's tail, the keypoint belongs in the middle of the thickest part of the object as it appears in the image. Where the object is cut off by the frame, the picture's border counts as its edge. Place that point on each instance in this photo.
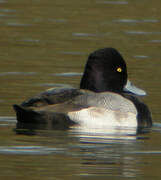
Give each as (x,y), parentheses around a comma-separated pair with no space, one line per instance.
(52,120)
(26,115)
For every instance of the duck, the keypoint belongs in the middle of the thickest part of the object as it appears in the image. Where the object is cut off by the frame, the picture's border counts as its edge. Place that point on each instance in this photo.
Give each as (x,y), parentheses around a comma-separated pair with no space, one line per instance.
(106,98)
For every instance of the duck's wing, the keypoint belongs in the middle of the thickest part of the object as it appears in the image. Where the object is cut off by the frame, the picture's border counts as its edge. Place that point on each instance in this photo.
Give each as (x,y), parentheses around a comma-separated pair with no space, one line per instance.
(53,116)
(33,119)
(36,110)
(51,96)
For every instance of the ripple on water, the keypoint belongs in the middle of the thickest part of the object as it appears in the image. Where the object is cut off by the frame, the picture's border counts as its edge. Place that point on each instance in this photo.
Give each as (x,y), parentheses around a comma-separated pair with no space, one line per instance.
(157,127)
(136,21)
(58,20)
(73,53)
(69,74)
(30,150)
(3,15)
(30,40)
(113,2)
(18,73)
(155,41)
(7,10)
(17,24)
(144,152)
(141,56)
(2,1)
(79,34)
(141,33)
(7,119)
(83,34)
(54,85)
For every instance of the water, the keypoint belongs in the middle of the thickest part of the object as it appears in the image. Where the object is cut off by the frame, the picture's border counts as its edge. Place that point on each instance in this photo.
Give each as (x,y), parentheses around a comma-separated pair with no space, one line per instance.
(46,44)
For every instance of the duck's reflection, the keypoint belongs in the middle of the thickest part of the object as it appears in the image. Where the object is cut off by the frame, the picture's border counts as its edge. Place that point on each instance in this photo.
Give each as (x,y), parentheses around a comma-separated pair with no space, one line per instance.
(83,132)
(101,152)
(100,134)
(110,154)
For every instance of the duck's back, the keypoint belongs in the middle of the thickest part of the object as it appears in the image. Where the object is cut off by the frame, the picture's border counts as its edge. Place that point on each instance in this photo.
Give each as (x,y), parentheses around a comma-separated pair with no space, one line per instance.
(107,100)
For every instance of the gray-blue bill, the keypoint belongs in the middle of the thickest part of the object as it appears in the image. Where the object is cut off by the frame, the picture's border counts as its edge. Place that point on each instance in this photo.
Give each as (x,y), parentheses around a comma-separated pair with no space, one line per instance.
(129,87)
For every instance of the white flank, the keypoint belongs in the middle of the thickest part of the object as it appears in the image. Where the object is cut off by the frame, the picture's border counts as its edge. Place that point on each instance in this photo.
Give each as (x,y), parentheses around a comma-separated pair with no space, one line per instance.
(95,117)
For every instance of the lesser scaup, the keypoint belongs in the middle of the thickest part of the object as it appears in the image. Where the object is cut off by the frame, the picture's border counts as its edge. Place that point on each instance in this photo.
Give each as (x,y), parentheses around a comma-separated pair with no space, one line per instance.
(106,98)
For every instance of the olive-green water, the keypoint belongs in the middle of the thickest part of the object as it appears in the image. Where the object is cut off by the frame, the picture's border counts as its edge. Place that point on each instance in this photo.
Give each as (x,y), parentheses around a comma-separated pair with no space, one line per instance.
(42,40)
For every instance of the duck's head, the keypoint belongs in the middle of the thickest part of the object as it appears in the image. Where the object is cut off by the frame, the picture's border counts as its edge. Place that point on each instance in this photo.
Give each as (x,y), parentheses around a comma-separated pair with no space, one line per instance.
(106,70)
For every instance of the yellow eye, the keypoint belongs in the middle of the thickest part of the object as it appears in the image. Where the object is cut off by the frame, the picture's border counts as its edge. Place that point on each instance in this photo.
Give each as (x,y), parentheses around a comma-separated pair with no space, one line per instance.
(119,69)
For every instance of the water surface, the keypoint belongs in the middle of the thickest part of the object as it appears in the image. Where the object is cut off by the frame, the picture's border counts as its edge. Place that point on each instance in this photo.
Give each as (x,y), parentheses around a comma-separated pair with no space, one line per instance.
(45,44)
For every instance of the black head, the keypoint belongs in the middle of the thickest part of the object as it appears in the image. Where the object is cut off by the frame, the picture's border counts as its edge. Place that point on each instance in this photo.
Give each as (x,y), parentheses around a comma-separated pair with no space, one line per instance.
(105,71)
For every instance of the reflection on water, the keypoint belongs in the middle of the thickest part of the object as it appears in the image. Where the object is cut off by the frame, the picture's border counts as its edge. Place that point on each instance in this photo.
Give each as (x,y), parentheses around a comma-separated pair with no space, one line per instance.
(8,119)
(83,132)
(114,153)
(45,44)
(101,135)
(29,150)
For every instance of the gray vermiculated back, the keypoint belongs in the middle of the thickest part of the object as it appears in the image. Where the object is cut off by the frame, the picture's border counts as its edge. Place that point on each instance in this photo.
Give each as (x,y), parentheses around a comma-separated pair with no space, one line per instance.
(107,100)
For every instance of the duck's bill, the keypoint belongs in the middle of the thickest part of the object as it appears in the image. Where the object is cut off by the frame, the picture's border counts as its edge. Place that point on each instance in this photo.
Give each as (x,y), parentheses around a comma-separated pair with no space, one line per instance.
(129,87)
